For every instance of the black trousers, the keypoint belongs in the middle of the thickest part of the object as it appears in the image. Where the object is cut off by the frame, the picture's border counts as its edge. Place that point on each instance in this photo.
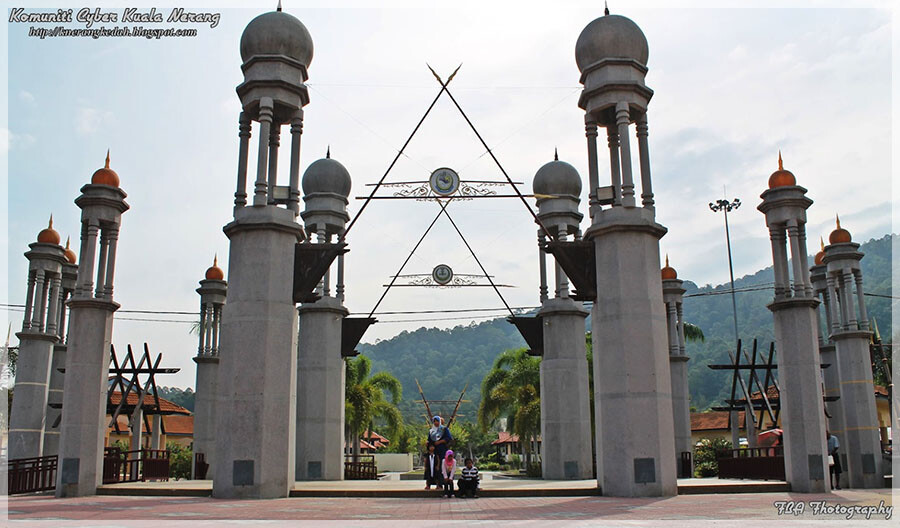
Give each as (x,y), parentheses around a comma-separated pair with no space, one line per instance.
(468,487)
(448,487)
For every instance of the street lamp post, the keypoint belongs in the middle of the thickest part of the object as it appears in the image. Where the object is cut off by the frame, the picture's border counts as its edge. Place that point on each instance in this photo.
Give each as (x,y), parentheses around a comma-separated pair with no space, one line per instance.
(726,207)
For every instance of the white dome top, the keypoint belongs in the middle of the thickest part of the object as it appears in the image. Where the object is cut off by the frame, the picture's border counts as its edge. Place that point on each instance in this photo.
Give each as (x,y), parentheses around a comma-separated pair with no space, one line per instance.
(326,176)
(277,33)
(557,178)
(608,37)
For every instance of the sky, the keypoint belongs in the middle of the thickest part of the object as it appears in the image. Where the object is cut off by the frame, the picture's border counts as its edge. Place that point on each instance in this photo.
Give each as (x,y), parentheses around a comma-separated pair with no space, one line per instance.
(732,87)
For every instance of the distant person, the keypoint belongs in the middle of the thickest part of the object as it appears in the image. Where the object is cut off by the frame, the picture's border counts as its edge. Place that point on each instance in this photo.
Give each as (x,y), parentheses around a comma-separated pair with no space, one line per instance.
(835,462)
(439,435)
(432,468)
(468,481)
(448,472)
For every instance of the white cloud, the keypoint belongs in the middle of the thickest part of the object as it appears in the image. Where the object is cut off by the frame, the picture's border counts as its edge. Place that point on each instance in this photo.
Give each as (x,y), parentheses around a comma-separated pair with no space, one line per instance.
(26,96)
(90,119)
(11,141)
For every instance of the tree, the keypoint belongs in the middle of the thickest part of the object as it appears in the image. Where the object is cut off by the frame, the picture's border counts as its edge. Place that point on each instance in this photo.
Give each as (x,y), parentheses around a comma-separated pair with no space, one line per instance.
(512,389)
(693,332)
(365,400)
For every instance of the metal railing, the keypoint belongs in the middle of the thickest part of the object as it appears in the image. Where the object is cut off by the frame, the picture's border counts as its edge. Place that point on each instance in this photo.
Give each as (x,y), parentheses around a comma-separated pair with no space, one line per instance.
(135,466)
(761,463)
(363,468)
(27,475)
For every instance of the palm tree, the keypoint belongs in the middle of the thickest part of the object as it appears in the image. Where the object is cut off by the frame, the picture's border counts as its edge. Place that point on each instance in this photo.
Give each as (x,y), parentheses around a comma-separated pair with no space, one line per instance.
(693,332)
(512,389)
(365,400)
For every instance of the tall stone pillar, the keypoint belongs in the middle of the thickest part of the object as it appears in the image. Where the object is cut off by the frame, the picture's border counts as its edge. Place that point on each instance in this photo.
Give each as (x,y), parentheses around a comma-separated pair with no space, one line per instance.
(36,342)
(566,451)
(673,294)
(83,425)
(58,363)
(320,366)
(632,384)
(256,398)
(212,290)
(851,336)
(831,374)
(796,338)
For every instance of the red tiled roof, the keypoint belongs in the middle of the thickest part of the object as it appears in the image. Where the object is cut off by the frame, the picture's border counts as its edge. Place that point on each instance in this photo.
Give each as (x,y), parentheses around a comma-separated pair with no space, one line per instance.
(503,437)
(772,393)
(149,405)
(180,425)
(375,436)
(173,424)
(713,420)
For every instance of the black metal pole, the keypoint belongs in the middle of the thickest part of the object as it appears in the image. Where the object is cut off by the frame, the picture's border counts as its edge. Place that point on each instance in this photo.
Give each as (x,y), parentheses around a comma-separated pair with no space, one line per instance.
(725,206)
(731,274)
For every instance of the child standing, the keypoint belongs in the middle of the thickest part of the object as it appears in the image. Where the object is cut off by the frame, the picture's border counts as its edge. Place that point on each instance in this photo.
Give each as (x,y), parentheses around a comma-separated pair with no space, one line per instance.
(468,482)
(432,468)
(448,471)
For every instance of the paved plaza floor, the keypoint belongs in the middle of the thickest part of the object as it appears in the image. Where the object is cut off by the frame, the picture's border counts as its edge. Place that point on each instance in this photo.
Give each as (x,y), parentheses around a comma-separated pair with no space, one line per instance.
(737,509)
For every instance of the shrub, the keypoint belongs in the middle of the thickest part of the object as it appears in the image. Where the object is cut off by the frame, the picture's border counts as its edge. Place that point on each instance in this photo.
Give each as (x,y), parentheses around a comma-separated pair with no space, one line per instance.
(179,461)
(705,464)
(490,466)
(534,470)
(515,460)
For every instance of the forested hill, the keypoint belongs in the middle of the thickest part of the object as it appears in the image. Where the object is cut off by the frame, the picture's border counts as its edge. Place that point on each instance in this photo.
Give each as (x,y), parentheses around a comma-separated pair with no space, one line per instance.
(710,309)
(445,360)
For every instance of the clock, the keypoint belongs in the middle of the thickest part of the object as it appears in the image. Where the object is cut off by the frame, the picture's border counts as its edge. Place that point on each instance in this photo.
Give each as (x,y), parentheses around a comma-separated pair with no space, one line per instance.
(444,181)
(442,274)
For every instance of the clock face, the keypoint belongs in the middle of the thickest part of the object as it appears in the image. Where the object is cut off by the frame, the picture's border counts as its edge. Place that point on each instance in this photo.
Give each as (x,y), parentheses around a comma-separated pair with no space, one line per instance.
(442,274)
(444,181)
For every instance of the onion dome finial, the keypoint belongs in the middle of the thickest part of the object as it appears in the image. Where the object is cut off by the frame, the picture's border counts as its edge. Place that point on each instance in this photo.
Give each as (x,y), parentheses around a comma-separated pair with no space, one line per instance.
(48,235)
(839,235)
(215,272)
(668,272)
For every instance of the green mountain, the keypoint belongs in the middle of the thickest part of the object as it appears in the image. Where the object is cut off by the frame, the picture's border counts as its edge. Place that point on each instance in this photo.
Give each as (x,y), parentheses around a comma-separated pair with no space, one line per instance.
(444,361)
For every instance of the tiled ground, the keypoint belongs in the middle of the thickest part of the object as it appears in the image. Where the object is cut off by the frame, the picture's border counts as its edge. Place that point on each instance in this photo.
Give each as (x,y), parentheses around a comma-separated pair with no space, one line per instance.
(685,510)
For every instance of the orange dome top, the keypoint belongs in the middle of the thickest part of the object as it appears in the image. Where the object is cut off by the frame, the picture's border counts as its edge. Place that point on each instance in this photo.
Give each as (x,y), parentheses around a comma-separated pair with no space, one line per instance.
(215,272)
(668,272)
(820,256)
(49,235)
(105,176)
(781,177)
(839,235)
(70,255)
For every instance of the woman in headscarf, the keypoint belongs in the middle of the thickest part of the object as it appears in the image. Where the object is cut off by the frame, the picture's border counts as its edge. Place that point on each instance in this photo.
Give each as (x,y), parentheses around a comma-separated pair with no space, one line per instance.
(439,435)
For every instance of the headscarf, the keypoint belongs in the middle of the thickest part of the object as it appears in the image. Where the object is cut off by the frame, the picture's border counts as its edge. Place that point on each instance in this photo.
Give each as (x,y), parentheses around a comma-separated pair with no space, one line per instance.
(448,458)
(436,431)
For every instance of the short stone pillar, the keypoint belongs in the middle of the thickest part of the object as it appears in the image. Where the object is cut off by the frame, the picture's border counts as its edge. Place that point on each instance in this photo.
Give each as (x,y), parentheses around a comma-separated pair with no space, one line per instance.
(320,366)
(851,335)
(137,428)
(213,290)
(796,338)
(91,307)
(156,432)
(566,450)
(36,340)
(257,374)
(831,374)
(58,363)
(632,386)
(673,295)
